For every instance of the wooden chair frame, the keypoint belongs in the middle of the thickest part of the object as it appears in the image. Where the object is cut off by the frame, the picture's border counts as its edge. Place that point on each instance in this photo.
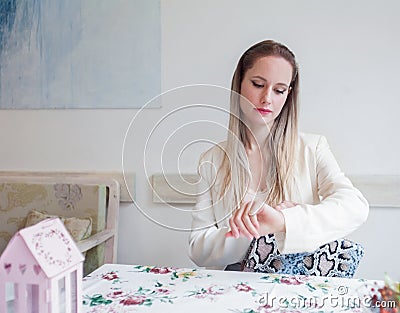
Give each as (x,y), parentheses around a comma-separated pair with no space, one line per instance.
(108,236)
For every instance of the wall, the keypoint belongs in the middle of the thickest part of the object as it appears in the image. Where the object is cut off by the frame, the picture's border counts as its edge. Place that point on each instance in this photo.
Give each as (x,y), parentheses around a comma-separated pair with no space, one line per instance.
(347,53)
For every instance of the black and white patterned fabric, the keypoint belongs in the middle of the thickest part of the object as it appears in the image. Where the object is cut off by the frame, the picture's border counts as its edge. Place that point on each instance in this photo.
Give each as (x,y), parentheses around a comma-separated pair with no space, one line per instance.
(339,258)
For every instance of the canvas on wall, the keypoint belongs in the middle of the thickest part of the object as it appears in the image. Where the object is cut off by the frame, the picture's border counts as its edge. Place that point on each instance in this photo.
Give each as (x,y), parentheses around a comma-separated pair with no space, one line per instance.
(79,53)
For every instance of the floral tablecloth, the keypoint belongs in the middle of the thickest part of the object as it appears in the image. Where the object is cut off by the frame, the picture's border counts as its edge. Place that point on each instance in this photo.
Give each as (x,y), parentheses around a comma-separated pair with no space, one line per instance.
(135,288)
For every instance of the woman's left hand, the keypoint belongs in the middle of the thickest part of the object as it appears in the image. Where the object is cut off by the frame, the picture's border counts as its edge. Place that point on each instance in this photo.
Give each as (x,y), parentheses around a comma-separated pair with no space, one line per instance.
(255,218)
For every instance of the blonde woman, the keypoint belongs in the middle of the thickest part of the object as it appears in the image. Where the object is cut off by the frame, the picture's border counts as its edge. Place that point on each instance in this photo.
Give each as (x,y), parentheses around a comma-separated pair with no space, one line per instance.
(273,199)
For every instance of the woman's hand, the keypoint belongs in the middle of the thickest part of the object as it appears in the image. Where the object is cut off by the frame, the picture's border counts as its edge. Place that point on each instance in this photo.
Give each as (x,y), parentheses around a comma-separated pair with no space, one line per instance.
(256,218)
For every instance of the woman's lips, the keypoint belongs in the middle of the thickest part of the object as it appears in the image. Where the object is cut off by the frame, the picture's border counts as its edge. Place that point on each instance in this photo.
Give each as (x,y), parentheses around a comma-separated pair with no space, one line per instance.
(263,111)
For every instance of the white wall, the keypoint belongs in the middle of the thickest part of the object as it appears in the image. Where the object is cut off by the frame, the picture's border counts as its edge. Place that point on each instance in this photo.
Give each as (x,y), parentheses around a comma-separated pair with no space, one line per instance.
(347,53)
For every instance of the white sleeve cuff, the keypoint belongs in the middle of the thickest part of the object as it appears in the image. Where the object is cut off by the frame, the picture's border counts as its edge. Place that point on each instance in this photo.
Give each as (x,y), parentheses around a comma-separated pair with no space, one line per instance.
(280,241)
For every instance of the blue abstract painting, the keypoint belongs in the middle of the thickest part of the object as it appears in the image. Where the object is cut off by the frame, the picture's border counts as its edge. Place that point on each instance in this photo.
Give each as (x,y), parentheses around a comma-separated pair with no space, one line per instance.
(79,53)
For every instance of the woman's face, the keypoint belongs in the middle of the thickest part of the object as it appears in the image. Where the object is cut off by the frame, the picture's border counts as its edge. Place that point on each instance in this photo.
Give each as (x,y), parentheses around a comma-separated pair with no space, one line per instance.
(266,87)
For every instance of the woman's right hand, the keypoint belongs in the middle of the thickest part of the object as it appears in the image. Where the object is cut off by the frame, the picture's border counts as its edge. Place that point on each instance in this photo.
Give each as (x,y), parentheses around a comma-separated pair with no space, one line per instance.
(255,218)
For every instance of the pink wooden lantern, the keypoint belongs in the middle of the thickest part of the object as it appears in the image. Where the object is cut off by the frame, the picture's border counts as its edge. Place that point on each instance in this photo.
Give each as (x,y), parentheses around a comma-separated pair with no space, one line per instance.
(41,271)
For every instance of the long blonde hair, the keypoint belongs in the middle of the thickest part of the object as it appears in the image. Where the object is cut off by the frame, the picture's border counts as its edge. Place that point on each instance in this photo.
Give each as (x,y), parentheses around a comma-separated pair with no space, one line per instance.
(281,141)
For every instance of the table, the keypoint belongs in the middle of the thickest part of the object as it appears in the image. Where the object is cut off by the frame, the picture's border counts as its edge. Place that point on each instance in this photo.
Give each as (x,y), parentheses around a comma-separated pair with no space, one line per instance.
(135,288)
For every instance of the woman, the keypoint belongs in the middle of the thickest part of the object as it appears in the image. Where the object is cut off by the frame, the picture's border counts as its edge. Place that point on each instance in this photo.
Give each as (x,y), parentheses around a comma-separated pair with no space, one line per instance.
(268,181)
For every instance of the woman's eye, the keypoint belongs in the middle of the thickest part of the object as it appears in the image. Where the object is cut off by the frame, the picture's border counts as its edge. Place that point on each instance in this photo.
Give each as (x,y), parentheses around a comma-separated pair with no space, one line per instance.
(280,91)
(257,85)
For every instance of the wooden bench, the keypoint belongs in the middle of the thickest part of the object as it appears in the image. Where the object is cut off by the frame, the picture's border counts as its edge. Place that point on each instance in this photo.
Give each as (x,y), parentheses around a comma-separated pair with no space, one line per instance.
(75,195)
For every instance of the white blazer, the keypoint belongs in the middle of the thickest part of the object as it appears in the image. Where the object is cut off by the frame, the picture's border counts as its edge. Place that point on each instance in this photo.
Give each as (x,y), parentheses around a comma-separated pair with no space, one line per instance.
(330,207)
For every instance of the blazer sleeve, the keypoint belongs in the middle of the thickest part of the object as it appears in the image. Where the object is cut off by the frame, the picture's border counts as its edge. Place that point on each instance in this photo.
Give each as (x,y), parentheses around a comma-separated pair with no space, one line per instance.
(208,245)
(341,211)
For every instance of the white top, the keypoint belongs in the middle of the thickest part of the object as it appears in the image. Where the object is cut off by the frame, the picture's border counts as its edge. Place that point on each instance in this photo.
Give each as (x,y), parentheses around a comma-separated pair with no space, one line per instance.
(330,207)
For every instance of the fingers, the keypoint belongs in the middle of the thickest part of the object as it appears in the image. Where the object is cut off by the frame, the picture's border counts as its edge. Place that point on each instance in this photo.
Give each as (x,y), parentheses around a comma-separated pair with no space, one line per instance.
(239,218)
(254,221)
(252,225)
(250,221)
(254,209)
(234,230)
(242,223)
(229,234)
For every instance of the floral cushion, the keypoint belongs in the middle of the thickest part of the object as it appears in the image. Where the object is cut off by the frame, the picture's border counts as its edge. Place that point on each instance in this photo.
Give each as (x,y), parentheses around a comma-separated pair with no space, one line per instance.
(79,228)
(76,201)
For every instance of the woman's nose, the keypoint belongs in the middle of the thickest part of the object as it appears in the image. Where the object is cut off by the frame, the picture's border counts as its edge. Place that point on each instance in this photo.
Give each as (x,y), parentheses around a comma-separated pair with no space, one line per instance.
(266,97)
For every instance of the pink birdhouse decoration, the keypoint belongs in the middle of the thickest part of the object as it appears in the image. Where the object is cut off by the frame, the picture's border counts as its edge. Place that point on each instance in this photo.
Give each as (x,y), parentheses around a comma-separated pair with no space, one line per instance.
(41,271)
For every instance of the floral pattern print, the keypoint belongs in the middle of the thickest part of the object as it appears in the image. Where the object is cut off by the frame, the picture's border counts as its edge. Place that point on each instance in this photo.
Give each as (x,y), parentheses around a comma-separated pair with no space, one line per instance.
(110,276)
(243,287)
(127,288)
(321,284)
(175,273)
(68,195)
(208,292)
(95,300)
